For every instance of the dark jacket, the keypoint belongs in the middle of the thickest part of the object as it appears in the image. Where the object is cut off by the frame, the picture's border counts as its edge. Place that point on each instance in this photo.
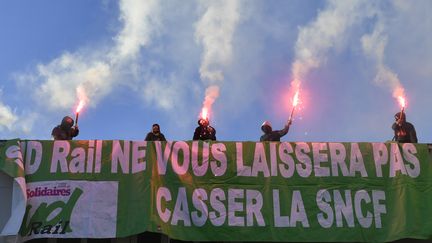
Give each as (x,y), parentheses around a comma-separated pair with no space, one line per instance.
(404,133)
(274,135)
(205,133)
(61,133)
(153,137)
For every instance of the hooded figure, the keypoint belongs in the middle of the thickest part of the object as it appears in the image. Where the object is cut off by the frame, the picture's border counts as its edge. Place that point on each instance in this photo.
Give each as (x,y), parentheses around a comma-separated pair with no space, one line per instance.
(404,132)
(66,130)
(204,131)
(155,134)
(270,135)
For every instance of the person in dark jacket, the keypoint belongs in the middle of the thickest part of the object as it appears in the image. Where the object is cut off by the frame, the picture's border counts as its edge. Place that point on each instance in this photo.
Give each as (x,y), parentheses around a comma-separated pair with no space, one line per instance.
(66,130)
(270,135)
(404,132)
(155,134)
(204,131)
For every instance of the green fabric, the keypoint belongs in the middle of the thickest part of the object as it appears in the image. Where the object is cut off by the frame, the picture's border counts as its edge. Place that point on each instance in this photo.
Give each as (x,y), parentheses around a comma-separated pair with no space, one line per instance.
(246,191)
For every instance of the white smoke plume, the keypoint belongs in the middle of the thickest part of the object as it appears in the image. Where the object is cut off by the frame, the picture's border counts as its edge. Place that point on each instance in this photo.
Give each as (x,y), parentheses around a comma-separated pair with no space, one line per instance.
(91,74)
(214,31)
(328,31)
(374,45)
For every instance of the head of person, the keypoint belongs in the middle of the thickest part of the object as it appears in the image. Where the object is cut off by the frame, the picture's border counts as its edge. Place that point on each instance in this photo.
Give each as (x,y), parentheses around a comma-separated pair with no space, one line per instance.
(67,122)
(400,117)
(203,122)
(266,127)
(155,128)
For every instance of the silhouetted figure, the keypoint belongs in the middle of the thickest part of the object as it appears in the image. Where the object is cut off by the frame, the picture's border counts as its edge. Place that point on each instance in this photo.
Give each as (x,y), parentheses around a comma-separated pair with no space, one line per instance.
(204,131)
(66,130)
(404,132)
(270,135)
(155,134)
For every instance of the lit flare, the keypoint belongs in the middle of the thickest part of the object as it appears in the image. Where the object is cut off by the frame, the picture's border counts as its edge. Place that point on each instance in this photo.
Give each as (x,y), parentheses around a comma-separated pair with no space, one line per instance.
(295,103)
(402,102)
(77,111)
(80,106)
(204,113)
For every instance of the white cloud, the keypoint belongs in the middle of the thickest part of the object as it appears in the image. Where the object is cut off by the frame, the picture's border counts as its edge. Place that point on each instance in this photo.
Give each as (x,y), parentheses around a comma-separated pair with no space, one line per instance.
(7,117)
(329,30)
(91,74)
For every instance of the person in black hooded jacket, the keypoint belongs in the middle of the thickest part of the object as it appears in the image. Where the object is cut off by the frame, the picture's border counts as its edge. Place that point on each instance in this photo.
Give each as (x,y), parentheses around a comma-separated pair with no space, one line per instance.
(204,131)
(155,134)
(66,130)
(270,135)
(404,132)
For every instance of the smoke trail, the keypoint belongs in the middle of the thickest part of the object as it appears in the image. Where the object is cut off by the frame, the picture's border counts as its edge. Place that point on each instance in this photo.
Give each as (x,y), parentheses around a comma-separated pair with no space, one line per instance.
(328,31)
(214,31)
(91,74)
(374,45)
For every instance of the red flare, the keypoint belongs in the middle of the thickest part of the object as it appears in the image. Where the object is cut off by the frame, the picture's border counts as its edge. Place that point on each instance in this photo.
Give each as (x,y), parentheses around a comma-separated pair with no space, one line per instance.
(296,99)
(80,106)
(402,101)
(204,113)
(295,102)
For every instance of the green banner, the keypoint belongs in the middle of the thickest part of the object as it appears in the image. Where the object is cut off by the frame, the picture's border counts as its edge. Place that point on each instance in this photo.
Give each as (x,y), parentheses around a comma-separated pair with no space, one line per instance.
(224,191)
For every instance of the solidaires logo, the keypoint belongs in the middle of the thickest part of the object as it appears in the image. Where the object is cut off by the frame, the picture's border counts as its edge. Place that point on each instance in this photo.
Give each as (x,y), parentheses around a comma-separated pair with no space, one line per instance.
(50,218)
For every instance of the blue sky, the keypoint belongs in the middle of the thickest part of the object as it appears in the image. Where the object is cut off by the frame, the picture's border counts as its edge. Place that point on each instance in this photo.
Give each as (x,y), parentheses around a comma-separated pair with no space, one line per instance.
(142,62)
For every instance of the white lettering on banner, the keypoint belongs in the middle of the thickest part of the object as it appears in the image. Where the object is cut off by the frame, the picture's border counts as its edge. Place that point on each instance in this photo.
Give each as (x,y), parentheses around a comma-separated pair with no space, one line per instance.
(304,168)
(396,161)
(344,210)
(14,152)
(138,156)
(200,170)
(338,155)
(31,166)
(260,161)
(380,157)
(394,157)
(77,164)
(408,151)
(254,204)
(181,209)
(61,150)
(287,167)
(365,221)
(220,164)
(217,211)
(121,156)
(356,161)
(297,213)
(180,168)
(198,197)
(319,158)
(242,170)
(82,161)
(379,209)
(185,158)
(162,158)
(217,217)
(164,193)
(234,206)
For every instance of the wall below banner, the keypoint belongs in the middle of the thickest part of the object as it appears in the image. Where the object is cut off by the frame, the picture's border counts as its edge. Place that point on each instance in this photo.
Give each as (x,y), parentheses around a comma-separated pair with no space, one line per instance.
(6,183)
